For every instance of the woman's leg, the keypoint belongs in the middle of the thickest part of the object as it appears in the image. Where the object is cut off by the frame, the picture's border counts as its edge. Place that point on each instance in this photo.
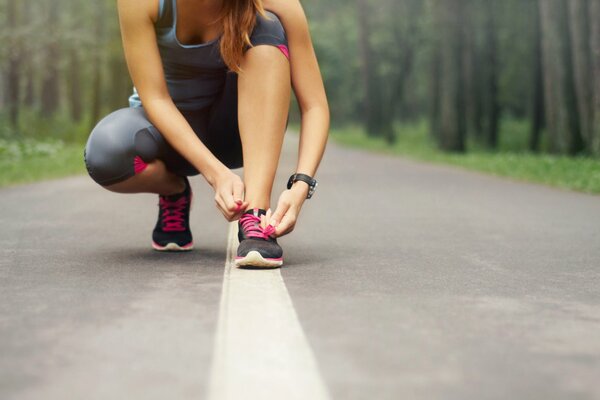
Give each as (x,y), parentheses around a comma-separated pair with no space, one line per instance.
(155,178)
(116,150)
(125,153)
(264,90)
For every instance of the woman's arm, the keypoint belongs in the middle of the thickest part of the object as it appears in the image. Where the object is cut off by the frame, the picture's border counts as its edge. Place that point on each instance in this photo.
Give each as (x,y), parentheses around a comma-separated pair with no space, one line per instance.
(136,19)
(310,92)
(307,83)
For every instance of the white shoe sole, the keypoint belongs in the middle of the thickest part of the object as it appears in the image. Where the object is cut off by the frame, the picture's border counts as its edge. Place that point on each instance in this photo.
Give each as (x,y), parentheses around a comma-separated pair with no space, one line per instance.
(255,259)
(173,247)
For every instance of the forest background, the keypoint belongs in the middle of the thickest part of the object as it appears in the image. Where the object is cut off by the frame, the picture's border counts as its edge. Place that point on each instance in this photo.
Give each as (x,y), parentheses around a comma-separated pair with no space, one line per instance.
(510,87)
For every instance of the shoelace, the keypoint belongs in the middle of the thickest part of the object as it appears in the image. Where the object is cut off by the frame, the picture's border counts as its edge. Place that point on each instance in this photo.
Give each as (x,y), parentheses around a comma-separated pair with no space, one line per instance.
(251,227)
(173,213)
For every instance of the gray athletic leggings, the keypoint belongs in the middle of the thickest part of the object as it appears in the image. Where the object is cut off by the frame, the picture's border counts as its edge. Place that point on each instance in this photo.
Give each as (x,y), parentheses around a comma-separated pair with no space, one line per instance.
(124,141)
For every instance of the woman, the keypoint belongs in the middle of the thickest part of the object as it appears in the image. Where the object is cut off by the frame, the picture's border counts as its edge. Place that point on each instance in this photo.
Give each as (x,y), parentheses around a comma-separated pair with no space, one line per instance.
(212,82)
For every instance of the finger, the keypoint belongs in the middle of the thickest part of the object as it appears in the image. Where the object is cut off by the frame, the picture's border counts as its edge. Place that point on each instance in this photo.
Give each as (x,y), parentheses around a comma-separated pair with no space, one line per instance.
(238,191)
(223,208)
(286,225)
(230,204)
(267,218)
(242,208)
(227,196)
(277,216)
(223,212)
(245,206)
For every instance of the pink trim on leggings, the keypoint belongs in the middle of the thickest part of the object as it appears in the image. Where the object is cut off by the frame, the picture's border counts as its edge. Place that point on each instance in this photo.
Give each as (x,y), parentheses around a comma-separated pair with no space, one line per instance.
(284,50)
(138,164)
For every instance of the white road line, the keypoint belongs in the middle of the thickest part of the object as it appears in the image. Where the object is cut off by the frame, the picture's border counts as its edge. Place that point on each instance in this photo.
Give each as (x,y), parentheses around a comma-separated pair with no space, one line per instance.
(261,351)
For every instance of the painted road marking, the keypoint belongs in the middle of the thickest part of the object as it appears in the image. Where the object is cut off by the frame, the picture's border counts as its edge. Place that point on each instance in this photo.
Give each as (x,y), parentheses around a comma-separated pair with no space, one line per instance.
(261,351)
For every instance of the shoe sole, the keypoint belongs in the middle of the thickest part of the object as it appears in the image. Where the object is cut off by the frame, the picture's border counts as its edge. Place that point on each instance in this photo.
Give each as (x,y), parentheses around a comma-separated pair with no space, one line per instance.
(172,247)
(255,259)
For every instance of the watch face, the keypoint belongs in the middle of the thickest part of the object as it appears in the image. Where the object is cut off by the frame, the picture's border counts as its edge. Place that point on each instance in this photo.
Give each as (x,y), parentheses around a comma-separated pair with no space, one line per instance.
(311,189)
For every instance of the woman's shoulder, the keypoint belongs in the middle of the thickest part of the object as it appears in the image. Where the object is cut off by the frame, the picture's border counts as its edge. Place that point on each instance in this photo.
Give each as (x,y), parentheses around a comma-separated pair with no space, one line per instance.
(283,8)
(290,12)
(141,8)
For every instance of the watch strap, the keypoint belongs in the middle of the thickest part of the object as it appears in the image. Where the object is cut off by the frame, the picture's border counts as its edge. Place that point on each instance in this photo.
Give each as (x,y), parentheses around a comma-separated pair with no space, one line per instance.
(312,183)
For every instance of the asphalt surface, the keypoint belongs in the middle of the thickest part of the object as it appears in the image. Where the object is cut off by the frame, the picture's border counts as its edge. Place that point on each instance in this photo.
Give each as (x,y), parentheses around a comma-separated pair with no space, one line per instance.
(409,280)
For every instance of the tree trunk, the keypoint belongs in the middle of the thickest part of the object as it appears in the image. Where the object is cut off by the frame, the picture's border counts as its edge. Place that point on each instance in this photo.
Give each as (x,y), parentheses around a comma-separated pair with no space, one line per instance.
(435,71)
(580,45)
(434,93)
(74,82)
(594,14)
(471,68)
(96,102)
(562,116)
(50,84)
(371,99)
(75,92)
(13,75)
(120,87)
(29,65)
(405,39)
(491,84)
(452,115)
(537,98)
(29,96)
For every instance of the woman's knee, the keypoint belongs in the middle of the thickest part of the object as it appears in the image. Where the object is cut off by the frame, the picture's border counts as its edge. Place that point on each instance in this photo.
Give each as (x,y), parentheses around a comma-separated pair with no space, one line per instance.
(111,153)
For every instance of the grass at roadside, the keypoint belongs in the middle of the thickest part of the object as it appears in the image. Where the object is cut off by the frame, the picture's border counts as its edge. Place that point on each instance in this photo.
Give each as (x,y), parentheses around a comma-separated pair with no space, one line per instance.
(575,173)
(30,160)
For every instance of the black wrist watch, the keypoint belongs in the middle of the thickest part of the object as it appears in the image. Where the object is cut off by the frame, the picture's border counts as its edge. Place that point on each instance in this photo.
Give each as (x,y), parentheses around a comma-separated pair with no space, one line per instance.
(312,183)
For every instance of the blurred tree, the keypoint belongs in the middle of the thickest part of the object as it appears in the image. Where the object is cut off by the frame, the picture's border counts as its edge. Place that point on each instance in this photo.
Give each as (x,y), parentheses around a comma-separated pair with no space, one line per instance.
(582,68)
(400,53)
(96,60)
(371,100)
(473,67)
(537,73)
(491,106)
(435,70)
(72,45)
(120,86)
(13,70)
(451,136)
(594,18)
(562,117)
(51,77)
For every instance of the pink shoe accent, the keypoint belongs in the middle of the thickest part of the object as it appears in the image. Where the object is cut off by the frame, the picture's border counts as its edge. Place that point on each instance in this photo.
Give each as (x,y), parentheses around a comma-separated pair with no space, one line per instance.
(138,164)
(251,226)
(173,221)
(284,49)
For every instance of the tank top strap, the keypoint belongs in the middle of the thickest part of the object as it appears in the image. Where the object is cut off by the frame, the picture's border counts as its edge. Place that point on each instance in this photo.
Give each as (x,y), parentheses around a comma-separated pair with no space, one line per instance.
(165,14)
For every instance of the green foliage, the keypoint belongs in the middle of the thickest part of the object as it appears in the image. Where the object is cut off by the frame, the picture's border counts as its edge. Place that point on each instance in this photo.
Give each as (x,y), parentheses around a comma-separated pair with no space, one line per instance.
(30,160)
(34,126)
(575,173)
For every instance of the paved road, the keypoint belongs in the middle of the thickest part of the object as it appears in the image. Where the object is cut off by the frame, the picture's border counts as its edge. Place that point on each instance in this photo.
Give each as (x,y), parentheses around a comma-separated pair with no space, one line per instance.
(408,280)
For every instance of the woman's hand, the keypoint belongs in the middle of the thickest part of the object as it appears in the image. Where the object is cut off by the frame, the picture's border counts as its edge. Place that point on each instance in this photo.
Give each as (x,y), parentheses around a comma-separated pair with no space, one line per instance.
(229,191)
(288,207)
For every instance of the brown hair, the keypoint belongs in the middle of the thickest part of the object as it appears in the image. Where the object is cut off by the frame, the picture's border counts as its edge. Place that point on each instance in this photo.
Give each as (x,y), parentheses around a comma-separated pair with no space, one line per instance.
(239,18)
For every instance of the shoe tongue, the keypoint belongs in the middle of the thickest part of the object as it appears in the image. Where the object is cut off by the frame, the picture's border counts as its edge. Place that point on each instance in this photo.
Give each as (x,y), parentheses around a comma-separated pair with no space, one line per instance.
(257,212)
